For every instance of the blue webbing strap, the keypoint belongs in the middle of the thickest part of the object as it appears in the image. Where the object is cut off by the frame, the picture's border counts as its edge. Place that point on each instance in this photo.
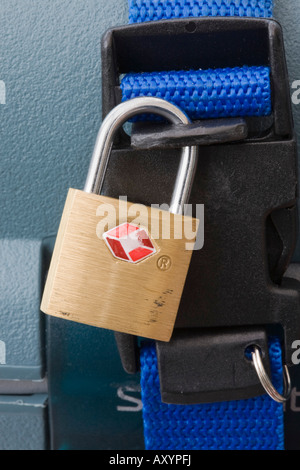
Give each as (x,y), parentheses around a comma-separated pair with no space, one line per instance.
(152,10)
(255,424)
(206,94)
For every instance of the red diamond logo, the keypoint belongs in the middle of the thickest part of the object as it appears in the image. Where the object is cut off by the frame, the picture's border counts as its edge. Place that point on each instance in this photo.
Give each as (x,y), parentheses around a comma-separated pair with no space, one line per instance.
(129,242)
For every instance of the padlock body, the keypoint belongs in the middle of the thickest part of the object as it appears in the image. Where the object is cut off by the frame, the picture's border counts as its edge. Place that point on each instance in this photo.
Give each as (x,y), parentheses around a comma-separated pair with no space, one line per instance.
(90,280)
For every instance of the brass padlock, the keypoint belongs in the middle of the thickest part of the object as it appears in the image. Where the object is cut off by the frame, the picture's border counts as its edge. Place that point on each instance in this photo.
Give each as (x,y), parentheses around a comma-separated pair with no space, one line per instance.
(109,269)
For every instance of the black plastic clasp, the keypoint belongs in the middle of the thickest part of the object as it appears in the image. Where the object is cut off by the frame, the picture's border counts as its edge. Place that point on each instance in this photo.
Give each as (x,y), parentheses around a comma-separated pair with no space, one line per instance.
(199,43)
(205,366)
(235,285)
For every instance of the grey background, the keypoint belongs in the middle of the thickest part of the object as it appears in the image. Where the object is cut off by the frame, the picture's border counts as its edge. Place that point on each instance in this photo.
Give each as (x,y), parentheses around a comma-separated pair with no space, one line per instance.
(50,63)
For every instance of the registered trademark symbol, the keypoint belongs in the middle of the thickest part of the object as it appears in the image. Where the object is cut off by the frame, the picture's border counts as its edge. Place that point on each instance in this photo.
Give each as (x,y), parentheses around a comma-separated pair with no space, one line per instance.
(164,263)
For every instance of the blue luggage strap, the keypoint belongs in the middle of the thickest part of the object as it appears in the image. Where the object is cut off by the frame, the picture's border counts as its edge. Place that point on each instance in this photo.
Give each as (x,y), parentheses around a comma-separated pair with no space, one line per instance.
(256,423)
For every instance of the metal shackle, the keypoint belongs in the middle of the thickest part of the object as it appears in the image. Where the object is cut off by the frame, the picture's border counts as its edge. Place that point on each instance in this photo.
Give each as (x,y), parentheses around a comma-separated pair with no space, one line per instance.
(104,142)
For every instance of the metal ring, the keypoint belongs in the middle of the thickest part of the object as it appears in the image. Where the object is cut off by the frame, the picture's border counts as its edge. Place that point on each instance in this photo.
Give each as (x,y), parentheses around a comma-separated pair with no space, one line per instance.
(265,381)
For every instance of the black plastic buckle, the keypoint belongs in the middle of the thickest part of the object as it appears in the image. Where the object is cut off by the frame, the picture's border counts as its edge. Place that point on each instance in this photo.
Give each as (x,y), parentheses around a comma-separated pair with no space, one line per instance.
(235,286)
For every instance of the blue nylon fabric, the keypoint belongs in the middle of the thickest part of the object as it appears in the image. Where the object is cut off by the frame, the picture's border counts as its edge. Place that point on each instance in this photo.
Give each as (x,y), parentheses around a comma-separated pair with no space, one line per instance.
(153,10)
(255,424)
(205,94)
